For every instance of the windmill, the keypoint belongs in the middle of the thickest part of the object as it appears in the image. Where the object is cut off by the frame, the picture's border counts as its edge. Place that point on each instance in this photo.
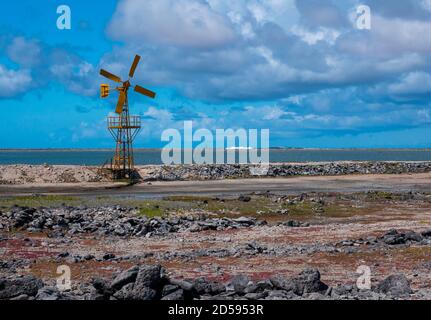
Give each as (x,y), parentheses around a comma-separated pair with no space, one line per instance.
(123,127)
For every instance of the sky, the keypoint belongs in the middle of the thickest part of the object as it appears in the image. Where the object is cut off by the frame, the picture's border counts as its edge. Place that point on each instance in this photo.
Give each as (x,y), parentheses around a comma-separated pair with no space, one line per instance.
(301,69)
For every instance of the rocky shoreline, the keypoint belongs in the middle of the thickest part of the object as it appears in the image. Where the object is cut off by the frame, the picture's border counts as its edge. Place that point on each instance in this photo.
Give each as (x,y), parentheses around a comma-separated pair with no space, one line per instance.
(29,174)
(245,171)
(151,282)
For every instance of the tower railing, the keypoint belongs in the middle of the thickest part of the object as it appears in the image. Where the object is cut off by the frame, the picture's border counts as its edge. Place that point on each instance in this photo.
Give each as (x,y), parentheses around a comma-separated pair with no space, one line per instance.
(132,122)
(123,129)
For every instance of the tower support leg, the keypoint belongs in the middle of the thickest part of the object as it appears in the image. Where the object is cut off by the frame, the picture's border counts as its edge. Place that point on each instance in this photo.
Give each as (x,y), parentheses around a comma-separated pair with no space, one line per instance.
(124,129)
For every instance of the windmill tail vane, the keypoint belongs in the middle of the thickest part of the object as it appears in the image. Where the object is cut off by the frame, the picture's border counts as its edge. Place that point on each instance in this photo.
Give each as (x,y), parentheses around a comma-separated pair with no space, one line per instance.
(123,127)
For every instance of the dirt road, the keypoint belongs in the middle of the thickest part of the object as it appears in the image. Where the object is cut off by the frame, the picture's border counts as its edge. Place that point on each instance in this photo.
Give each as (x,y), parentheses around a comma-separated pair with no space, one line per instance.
(294,185)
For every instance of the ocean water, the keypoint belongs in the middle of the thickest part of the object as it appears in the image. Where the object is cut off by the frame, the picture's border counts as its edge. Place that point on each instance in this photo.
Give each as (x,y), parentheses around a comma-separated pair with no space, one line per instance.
(153,156)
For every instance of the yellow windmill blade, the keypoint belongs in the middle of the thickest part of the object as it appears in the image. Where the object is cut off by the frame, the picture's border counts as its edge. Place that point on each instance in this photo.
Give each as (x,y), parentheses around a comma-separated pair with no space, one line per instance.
(134,65)
(145,92)
(110,76)
(120,103)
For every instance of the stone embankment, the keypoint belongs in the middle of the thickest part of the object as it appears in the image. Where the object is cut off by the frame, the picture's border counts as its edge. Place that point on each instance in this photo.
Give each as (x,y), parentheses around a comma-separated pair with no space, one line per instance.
(25,174)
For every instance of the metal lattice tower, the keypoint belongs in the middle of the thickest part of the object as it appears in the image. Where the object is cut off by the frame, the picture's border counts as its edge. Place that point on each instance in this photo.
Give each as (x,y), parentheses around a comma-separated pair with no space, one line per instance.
(123,127)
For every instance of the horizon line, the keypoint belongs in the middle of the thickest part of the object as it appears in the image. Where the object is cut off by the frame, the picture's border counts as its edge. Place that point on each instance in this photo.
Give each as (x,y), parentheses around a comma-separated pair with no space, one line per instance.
(239,149)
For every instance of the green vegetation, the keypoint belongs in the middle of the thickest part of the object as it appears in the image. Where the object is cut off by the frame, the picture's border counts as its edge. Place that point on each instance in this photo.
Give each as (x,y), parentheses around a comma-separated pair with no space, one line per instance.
(151,212)
(39,201)
(378,195)
(226,206)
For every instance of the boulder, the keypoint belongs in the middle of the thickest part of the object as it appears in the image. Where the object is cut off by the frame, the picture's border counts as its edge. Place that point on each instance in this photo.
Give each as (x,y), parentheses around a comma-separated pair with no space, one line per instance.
(256,295)
(264,285)
(316,296)
(126,277)
(177,295)
(308,281)
(183,284)
(149,281)
(396,285)
(125,293)
(143,293)
(21,297)
(245,221)
(244,198)
(281,295)
(202,286)
(413,236)
(108,256)
(48,293)
(282,283)
(23,217)
(239,283)
(294,224)
(426,234)
(27,285)
(168,289)
(103,288)
(393,238)
(149,276)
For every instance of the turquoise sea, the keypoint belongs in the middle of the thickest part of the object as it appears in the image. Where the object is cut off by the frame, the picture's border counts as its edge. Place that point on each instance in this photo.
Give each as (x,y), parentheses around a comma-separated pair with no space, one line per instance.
(153,156)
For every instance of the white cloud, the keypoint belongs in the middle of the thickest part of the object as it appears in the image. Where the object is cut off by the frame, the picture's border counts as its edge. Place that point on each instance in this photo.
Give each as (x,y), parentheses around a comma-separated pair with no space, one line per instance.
(14,82)
(40,64)
(85,131)
(426,4)
(281,12)
(412,84)
(189,23)
(266,113)
(269,57)
(312,37)
(77,75)
(402,63)
(158,114)
(400,35)
(24,51)
(267,60)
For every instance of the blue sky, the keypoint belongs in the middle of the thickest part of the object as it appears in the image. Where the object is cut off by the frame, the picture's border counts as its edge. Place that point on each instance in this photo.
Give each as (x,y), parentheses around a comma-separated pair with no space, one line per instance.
(299,68)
